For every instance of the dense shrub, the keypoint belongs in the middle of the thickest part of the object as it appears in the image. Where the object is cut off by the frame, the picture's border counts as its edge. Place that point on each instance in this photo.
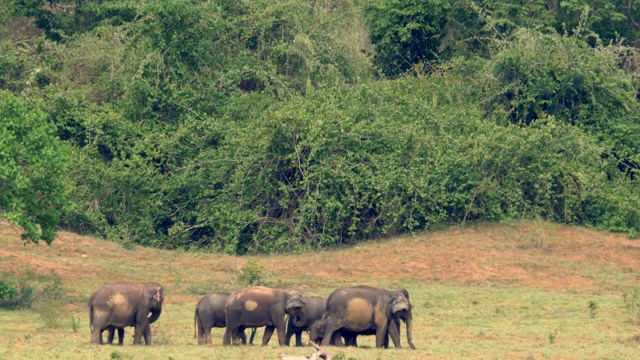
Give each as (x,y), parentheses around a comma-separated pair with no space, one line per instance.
(258,126)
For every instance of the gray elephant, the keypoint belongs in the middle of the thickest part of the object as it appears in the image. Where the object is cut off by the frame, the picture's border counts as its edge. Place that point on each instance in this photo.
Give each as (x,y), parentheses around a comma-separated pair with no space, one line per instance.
(115,306)
(363,308)
(209,314)
(314,310)
(262,306)
(318,328)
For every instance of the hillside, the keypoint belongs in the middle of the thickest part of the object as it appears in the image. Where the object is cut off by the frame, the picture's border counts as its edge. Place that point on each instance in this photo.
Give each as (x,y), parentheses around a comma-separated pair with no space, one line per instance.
(532,254)
(497,268)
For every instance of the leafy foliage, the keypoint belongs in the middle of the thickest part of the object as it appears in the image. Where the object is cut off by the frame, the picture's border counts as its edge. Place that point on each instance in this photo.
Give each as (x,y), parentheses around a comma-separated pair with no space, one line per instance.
(260,126)
(405,33)
(33,163)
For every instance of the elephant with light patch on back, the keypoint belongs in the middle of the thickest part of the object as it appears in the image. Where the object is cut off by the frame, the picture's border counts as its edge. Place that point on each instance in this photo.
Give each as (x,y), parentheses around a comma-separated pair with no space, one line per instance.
(361,309)
(262,306)
(115,306)
(210,314)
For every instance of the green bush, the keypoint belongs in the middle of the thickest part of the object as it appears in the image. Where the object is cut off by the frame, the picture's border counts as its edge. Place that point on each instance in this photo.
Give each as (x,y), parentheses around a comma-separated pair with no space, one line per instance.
(252,275)
(8,292)
(15,295)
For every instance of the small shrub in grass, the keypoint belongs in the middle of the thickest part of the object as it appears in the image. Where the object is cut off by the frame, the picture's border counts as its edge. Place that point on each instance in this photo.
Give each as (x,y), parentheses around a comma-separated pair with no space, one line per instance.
(631,302)
(15,295)
(593,308)
(8,293)
(251,275)
(50,300)
(342,356)
(75,323)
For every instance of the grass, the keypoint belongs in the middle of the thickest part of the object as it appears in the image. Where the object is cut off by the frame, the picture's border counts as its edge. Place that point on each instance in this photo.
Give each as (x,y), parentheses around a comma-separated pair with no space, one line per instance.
(476,292)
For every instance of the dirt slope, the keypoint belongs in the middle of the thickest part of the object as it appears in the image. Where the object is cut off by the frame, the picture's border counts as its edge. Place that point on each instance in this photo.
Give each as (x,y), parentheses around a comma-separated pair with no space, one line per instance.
(527,253)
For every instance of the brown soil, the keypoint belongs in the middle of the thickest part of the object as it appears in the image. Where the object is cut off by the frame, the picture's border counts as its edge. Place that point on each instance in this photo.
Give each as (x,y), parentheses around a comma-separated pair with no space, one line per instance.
(529,253)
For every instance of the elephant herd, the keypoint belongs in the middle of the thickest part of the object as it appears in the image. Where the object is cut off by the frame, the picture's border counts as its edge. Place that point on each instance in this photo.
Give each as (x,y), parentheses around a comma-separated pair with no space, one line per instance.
(336,320)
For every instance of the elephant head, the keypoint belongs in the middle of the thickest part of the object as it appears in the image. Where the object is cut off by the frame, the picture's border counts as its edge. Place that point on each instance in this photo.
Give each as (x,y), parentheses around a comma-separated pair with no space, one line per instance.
(316,330)
(155,295)
(401,310)
(295,308)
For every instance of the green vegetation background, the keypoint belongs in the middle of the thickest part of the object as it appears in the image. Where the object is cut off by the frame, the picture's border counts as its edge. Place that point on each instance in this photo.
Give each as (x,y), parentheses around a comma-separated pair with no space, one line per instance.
(272,126)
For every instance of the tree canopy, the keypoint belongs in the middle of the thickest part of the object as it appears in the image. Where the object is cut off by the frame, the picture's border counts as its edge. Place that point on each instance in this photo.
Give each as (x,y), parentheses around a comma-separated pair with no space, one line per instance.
(270,126)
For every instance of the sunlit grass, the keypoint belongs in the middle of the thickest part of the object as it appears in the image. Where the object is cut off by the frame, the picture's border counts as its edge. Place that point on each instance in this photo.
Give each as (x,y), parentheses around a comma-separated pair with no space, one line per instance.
(496,316)
(451,320)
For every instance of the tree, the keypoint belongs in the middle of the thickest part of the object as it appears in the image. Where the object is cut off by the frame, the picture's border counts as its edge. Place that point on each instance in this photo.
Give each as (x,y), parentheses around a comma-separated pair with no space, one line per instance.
(33,163)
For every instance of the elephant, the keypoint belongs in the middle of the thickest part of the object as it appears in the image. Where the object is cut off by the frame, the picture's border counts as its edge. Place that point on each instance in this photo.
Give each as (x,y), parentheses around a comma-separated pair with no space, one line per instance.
(318,328)
(362,308)
(209,314)
(314,310)
(117,305)
(262,306)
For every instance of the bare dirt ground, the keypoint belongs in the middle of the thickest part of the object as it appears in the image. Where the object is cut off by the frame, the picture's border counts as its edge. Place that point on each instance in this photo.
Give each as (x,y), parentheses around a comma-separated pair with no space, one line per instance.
(526,253)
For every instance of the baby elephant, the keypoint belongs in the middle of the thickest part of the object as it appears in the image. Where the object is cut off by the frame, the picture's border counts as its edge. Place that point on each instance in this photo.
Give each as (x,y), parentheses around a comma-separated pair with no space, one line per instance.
(210,314)
(313,311)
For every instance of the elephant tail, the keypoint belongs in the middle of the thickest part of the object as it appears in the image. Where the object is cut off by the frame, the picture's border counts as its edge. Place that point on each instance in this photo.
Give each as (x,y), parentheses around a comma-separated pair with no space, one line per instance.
(91,317)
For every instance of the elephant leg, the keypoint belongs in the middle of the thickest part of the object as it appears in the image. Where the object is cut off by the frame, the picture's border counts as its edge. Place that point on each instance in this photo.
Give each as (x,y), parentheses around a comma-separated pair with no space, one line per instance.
(299,338)
(331,328)
(204,334)
(96,335)
(381,333)
(240,334)
(394,333)
(206,338)
(121,336)
(111,333)
(226,340)
(350,338)
(140,329)
(337,339)
(280,328)
(253,334)
(268,331)
(287,336)
(147,334)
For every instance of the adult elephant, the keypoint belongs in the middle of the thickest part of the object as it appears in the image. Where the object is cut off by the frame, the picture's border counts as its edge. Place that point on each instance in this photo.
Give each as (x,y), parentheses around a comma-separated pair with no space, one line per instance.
(313,311)
(362,308)
(209,314)
(115,306)
(262,306)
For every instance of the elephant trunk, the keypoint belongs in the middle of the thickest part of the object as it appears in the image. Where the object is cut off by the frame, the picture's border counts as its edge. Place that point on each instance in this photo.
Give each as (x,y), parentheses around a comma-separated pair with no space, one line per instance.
(299,317)
(155,314)
(295,308)
(409,322)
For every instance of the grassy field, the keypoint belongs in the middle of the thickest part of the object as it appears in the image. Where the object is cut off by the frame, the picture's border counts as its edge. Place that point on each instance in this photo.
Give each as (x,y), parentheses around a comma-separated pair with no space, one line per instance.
(529,290)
